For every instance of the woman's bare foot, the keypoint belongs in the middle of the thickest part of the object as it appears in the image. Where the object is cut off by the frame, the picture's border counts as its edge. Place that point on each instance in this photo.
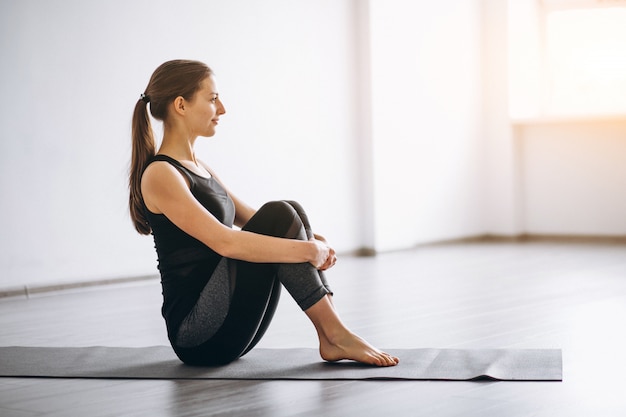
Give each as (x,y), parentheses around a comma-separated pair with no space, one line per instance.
(338,343)
(352,347)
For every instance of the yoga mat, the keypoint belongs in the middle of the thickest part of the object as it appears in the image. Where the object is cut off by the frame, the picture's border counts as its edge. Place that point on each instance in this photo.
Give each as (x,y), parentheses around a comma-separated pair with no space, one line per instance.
(160,362)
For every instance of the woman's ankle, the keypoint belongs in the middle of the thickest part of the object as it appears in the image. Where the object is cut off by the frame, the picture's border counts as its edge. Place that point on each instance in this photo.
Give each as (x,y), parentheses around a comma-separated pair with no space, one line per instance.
(326,320)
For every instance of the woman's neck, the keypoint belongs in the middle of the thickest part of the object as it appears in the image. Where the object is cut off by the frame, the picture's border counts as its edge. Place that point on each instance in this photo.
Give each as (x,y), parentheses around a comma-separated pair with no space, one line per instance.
(178,146)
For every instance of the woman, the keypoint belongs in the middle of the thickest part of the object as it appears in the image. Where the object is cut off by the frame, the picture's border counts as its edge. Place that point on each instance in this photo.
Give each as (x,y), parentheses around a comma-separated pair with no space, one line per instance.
(221,284)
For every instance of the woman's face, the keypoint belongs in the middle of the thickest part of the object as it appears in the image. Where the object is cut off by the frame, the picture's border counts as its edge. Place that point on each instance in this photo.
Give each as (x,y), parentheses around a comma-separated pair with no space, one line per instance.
(205,108)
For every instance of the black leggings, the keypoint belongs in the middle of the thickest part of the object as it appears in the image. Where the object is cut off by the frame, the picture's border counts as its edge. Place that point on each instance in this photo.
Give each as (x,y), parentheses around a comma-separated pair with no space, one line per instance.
(253,292)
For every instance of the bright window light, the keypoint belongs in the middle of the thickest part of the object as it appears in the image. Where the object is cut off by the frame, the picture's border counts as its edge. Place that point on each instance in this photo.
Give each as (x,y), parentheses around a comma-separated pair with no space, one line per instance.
(585,61)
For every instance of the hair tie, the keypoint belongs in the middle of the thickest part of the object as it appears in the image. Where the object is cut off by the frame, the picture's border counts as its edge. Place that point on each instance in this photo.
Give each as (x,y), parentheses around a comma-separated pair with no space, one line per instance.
(145,98)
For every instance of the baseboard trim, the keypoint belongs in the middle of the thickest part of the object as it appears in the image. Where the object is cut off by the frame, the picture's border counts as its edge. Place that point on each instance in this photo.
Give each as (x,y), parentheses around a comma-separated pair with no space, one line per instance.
(553,238)
(30,290)
(498,238)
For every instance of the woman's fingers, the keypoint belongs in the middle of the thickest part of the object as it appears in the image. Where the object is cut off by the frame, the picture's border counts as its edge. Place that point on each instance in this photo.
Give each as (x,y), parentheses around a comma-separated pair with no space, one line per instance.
(330,261)
(328,257)
(323,253)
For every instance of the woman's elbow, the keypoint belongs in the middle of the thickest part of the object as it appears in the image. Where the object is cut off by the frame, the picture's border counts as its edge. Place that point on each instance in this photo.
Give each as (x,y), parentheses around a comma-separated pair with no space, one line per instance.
(227,251)
(225,245)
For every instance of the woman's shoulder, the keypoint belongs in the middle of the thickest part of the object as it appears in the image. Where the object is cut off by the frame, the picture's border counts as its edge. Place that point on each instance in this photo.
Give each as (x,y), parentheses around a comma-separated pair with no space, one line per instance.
(162,182)
(158,167)
(161,173)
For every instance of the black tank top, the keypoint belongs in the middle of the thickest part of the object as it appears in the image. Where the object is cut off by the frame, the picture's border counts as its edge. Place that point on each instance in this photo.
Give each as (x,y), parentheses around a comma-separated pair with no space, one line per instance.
(185,263)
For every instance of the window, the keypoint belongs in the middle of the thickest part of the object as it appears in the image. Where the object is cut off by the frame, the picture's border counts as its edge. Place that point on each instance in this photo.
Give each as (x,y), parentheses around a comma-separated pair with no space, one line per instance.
(577,51)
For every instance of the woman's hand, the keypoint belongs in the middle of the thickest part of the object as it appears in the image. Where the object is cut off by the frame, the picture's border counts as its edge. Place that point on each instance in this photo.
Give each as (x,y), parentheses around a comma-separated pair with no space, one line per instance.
(326,256)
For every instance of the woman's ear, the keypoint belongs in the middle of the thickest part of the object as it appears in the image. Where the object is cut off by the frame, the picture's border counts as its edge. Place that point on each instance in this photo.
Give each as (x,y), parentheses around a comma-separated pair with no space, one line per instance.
(179,105)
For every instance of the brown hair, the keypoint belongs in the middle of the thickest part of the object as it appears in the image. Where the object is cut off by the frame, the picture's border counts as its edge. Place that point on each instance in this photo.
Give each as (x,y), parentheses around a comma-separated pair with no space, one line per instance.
(170,80)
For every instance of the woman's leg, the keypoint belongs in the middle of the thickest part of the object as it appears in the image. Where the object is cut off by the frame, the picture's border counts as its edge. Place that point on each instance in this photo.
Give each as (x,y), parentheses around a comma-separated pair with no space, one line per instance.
(255,289)
(309,288)
(211,308)
(309,235)
(305,284)
(256,293)
(252,299)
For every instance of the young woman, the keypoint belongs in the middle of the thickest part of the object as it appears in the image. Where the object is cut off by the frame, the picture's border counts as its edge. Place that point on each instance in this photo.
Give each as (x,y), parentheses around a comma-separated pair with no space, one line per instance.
(221,284)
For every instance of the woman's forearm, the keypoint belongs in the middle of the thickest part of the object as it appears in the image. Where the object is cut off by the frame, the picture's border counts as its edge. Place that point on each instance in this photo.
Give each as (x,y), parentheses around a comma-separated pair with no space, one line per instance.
(254,247)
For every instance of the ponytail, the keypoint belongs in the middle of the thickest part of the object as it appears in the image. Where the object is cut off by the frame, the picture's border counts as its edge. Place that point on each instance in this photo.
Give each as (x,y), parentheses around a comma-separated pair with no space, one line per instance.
(143,149)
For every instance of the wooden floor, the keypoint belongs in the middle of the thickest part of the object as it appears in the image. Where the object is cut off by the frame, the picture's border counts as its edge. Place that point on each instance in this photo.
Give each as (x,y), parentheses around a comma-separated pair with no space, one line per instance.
(536,294)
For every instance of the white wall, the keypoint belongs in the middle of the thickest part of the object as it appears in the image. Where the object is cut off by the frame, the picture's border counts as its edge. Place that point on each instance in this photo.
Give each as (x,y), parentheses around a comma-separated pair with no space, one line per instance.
(427,109)
(71,72)
(387,119)
(574,178)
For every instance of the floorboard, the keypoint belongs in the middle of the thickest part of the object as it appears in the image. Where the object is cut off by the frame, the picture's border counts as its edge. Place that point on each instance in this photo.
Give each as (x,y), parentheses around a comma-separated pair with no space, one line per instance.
(535,294)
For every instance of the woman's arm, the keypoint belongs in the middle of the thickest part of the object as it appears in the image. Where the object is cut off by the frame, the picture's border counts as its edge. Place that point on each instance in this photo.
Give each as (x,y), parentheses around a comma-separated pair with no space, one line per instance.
(166,191)
(244,212)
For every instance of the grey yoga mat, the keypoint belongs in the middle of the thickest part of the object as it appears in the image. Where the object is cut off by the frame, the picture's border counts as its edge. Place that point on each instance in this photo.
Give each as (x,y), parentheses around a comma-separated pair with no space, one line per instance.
(159,362)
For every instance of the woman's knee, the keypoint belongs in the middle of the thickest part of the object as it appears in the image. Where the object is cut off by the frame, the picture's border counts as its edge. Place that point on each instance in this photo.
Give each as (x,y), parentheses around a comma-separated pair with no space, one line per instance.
(276,218)
(278,207)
